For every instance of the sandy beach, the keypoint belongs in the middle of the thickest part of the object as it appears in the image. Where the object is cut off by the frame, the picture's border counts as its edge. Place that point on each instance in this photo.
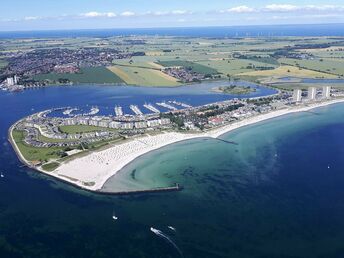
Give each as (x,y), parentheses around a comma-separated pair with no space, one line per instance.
(93,170)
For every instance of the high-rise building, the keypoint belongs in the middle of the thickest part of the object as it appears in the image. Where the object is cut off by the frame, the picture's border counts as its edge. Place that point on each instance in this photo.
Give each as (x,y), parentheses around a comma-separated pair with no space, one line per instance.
(15,79)
(326,92)
(312,93)
(9,81)
(297,95)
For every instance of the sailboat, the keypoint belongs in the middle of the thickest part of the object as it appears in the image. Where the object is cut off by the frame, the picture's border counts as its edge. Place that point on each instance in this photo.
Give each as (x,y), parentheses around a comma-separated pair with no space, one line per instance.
(114,217)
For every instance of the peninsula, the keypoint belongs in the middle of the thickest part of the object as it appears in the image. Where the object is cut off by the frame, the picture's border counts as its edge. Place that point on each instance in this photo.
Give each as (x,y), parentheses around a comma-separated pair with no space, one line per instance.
(87,150)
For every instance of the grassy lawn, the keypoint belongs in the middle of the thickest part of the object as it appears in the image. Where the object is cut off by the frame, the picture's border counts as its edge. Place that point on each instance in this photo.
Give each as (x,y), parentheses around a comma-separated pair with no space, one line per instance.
(326,65)
(233,66)
(100,75)
(144,75)
(73,129)
(33,153)
(198,68)
(50,166)
(286,71)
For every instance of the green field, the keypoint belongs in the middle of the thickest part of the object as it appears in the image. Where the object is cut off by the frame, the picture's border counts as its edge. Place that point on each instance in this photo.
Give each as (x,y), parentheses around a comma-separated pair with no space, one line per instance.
(73,129)
(99,75)
(33,153)
(195,67)
(234,66)
(322,65)
(143,74)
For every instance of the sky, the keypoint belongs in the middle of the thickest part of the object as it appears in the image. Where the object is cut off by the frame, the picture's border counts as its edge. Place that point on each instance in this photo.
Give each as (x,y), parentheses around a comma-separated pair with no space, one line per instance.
(97,14)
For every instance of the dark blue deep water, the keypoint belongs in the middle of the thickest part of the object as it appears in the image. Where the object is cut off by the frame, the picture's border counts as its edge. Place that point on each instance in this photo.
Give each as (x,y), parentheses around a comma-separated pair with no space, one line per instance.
(278,193)
(214,32)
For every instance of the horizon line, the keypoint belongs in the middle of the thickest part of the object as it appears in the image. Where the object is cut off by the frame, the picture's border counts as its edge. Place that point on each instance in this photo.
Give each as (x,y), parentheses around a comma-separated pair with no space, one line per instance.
(174,27)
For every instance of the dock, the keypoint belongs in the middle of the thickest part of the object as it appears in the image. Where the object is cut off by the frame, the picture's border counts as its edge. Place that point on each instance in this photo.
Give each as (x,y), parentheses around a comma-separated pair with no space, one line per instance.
(118,111)
(93,111)
(68,112)
(151,108)
(136,110)
(165,105)
(181,104)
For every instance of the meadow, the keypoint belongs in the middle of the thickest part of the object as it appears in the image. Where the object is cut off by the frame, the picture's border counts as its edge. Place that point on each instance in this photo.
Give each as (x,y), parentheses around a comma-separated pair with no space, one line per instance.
(330,66)
(143,74)
(99,75)
(33,153)
(195,67)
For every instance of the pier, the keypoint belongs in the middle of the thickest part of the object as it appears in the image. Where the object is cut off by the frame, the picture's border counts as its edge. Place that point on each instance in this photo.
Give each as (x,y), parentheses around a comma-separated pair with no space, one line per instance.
(68,112)
(174,188)
(151,108)
(94,111)
(136,110)
(165,105)
(118,111)
(180,104)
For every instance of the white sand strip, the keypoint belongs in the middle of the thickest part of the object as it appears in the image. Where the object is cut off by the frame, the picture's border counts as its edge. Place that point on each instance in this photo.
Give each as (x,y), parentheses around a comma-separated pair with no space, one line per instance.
(97,167)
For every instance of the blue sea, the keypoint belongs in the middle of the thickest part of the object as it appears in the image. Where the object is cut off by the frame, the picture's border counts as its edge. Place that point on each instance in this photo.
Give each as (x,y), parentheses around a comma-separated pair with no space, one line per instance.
(212,32)
(278,193)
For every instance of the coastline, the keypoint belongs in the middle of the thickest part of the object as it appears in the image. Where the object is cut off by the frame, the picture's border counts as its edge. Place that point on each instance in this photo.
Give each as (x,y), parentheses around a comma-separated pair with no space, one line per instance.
(91,171)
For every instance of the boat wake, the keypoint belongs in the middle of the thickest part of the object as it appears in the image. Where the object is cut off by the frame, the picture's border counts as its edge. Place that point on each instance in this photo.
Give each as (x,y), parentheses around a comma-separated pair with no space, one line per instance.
(162,235)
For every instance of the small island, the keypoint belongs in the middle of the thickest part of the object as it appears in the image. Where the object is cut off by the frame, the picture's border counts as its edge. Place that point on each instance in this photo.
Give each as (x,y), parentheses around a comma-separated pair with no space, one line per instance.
(234,89)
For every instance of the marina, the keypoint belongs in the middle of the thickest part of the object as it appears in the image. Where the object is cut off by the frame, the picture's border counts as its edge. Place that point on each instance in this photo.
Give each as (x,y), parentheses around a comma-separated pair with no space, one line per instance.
(94,111)
(165,105)
(136,110)
(180,104)
(151,108)
(69,111)
(118,111)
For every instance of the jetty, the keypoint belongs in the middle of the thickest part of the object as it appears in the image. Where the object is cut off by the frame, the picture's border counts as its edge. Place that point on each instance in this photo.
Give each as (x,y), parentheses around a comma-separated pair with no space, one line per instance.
(151,108)
(165,105)
(230,142)
(184,105)
(94,111)
(68,112)
(173,188)
(136,110)
(118,111)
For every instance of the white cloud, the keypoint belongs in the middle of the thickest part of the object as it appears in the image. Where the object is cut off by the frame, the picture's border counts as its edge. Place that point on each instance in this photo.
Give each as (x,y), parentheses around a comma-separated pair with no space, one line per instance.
(324,8)
(302,8)
(281,8)
(31,18)
(127,14)
(240,9)
(98,15)
(179,12)
(164,13)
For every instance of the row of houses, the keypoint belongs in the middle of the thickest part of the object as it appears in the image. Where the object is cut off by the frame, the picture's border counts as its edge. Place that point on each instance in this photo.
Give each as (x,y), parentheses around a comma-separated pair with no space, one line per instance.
(108,123)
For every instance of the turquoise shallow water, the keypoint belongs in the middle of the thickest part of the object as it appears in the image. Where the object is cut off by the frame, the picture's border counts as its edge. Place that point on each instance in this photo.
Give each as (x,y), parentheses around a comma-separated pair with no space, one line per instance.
(278,193)
(272,195)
